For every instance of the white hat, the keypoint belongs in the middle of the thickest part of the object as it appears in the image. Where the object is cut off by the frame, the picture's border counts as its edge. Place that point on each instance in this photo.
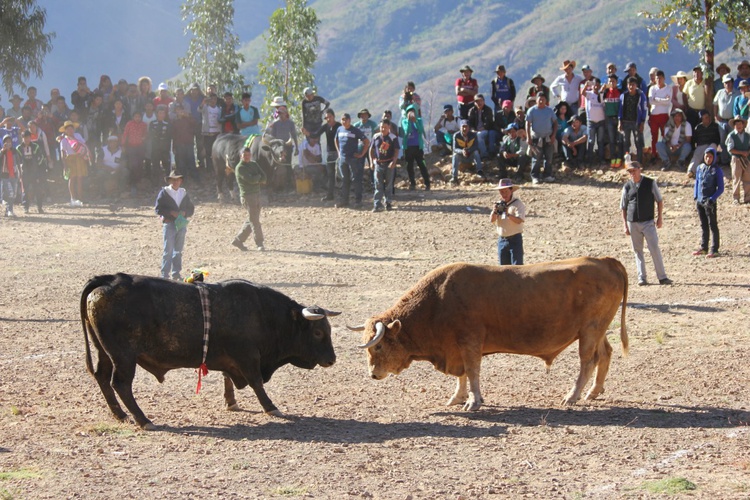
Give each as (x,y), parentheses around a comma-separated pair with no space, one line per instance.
(680,74)
(163,86)
(278,101)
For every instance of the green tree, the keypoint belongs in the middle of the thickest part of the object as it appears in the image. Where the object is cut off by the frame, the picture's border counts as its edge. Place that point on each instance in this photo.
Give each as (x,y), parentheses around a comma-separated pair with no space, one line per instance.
(212,55)
(694,24)
(292,43)
(24,42)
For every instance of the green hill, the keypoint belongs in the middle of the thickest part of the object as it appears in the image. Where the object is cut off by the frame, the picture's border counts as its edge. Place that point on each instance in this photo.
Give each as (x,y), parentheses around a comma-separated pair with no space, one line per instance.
(368,49)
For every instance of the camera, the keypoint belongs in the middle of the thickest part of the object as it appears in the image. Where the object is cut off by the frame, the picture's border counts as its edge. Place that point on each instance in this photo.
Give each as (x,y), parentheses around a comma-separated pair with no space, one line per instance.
(500,206)
(408,96)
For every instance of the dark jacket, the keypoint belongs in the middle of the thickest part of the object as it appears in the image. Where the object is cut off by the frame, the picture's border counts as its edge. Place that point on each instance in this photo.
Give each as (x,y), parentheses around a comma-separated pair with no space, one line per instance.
(165,204)
(485,115)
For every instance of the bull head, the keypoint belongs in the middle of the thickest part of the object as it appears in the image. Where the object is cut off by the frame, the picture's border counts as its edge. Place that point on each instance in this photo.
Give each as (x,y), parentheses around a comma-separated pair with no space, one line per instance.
(380,329)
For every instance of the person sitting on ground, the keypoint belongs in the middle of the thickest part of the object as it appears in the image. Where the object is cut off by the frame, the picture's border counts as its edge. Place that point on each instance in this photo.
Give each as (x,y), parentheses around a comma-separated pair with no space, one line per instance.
(465,148)
(705,135)
(447,125)
(709,185)
(503,118)
(384,158)
(310,160)
(250,177)
(563,114)
(574,141)
(512,152)
(677,138)
(482,123)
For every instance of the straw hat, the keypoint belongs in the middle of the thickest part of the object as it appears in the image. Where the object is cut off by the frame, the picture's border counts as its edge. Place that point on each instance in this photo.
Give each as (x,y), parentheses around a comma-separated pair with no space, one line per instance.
(508,184)
(67,124)
(680,74)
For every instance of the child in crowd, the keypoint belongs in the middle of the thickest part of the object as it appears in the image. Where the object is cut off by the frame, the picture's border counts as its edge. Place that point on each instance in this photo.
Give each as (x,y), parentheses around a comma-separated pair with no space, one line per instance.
(173,206)
(709,184)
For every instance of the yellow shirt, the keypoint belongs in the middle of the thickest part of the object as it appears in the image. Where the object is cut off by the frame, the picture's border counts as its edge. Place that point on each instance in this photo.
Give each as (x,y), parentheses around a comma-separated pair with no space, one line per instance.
(506,227)
(696,93)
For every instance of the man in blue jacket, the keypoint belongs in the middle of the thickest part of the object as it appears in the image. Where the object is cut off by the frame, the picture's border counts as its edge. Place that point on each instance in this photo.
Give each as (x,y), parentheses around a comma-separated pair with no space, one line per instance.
(633,115)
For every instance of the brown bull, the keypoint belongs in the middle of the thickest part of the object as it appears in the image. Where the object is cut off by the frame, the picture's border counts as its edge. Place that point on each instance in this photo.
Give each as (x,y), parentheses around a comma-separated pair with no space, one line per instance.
(460,312)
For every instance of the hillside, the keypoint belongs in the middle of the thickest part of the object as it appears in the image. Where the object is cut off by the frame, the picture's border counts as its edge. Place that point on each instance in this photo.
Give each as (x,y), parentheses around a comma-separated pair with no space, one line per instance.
(369,49)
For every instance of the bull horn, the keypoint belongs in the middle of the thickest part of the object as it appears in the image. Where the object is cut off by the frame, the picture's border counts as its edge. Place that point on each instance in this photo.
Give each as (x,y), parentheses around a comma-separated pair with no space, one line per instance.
(331,313)
(379,334)
(311,314)
(359,328)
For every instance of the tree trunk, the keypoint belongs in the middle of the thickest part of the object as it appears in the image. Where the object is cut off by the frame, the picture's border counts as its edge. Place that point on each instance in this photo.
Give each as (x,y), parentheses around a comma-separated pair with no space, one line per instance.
(709,56)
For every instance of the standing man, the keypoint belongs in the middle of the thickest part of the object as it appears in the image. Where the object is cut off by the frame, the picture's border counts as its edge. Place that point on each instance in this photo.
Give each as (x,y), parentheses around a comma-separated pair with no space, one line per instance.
(33,167)
(705,135)
(723,107)
(696,92)
(738,145)
(637,205)
(660,100)
(541,130)
(466,88)
(633,114)
(330,128)
(313,108)
(347,141)
(631,71)
(508,216)
(383,158)
(566,86)
(250,177)
(743,73)
(248,116)
(503,89)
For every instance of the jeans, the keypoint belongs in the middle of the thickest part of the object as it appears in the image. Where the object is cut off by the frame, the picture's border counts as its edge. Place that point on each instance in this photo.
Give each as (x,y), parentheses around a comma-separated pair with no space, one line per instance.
(707,215)
(458,157)
(486,141)
(576,158)
(251,203)
(542,159)
(171,258)
(510,250)
(522,161)
(632,129)
(724,156)
(638,232)
(331,160)
(351,169)
(664,155)
(8,190)
(383,179)
(613,136)
(596,133)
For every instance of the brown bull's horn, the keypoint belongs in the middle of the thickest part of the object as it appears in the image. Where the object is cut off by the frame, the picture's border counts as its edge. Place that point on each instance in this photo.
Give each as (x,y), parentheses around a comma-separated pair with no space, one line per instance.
(359,328)
(379,334)
(311,314)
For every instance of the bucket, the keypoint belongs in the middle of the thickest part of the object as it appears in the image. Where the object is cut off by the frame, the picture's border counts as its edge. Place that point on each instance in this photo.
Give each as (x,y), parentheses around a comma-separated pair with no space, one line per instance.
(304,185)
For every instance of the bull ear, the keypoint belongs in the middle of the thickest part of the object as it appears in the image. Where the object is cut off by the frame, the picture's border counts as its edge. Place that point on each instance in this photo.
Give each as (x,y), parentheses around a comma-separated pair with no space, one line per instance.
(395,326)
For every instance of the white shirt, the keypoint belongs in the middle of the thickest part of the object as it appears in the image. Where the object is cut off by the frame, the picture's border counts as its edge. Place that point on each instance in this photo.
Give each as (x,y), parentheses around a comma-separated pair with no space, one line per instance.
(660,99)
(178,195)
(112,160)
(313,150)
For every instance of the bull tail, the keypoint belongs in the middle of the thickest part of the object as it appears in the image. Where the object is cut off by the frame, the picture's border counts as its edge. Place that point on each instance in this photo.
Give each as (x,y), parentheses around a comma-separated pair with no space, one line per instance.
(623,327)
(93,284)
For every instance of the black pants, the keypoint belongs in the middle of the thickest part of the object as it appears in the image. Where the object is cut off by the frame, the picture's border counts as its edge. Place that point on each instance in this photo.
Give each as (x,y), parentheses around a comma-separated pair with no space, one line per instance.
(707,214)
(415,153)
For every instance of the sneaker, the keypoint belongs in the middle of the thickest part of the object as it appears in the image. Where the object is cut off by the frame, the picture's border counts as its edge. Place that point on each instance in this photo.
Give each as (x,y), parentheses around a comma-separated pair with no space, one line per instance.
(177,277)
(40,210)
(9,213)
(642,282)
(25,210)
(700,251)
(712,255)
(549,179)
(237,243)
(534,180)
(665,281)
(341,205)
(613,163)
(619,163)
(261,248)
(427,187)
(77,203)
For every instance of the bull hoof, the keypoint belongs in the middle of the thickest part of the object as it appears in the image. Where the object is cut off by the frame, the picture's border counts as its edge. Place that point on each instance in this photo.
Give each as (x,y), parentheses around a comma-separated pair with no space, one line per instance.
(456,400)
(472,404)
(233,407)
(148,426)
(276,413)
(569,400)
(594,393)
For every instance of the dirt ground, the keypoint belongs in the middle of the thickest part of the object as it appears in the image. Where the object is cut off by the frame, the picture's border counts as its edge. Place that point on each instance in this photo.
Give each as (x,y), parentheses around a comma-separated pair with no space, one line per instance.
(676,412)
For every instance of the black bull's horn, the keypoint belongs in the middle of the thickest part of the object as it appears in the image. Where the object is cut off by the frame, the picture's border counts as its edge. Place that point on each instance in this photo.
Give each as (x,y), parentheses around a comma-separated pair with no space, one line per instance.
(379,334)
(315,313)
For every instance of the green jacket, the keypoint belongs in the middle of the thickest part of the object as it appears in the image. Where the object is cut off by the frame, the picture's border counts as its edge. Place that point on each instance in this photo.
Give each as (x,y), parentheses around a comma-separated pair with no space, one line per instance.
(405,127)
(249,178)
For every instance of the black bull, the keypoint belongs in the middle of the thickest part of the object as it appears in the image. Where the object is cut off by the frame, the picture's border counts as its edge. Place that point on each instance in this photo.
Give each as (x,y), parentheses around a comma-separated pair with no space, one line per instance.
(157,324)
(268,153)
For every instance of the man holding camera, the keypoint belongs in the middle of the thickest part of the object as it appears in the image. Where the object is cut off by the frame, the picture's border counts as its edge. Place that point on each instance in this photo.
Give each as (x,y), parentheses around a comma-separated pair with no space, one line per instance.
(508,216)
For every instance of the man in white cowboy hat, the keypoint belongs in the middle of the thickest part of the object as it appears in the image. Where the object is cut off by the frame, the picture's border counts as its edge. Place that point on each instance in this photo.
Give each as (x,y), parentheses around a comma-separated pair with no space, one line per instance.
(566,86)
(466,88)
(174,207)
(738,145)
(508,216)
(637,206)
